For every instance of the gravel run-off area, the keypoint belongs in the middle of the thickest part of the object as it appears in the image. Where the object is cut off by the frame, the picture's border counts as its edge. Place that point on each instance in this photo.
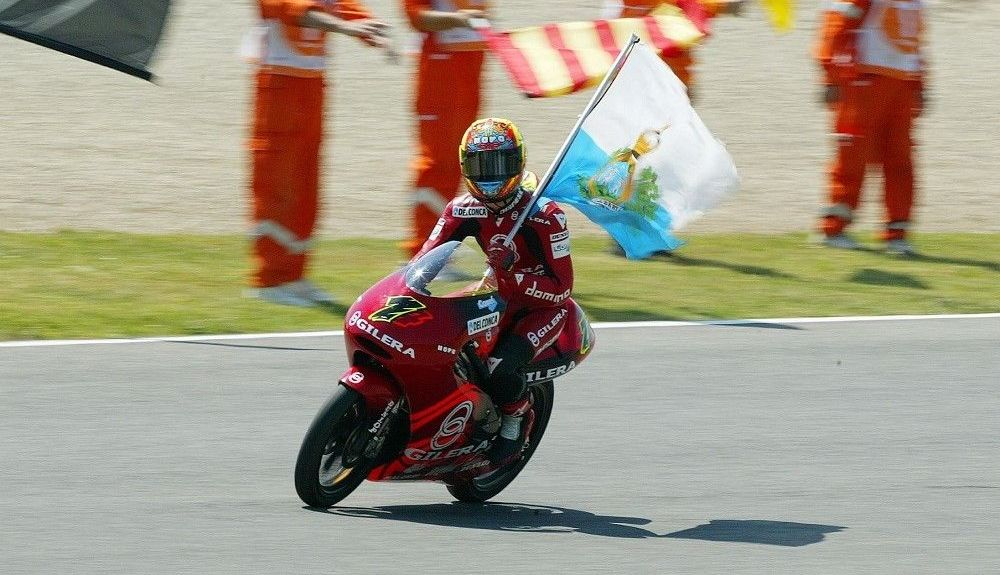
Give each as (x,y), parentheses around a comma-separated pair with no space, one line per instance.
(84,147)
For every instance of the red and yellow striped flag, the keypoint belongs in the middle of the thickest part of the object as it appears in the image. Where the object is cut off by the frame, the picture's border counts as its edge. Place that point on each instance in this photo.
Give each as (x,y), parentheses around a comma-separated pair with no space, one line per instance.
(562,58)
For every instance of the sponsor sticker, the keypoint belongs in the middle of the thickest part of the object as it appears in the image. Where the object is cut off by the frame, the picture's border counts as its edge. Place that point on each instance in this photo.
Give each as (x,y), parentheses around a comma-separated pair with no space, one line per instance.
(493,362)
(437,229)
(469,211)
(538,270)
(560,249)
(484,323)
(553,372)
(536,337)
(452,426)
(534,292)
(381,420)
(421,455)
(383,338)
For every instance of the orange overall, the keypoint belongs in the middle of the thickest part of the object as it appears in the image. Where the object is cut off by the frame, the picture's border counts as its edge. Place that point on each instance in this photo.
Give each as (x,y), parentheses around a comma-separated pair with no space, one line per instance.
(682,63)
(287,132)
(870,50)
(447,100)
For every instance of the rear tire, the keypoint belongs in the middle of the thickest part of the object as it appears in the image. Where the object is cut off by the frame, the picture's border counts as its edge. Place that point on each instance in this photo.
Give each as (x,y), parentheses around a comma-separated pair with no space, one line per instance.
(322,477)
(480,489)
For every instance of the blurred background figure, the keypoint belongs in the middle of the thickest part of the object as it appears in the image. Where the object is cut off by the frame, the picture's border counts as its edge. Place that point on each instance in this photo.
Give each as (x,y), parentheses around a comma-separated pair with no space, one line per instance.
(681,64)
(870,51)
(447,99)
(290,49)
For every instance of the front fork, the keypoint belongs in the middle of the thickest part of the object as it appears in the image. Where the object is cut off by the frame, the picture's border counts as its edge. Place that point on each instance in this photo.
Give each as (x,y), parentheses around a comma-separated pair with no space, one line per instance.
(383,401)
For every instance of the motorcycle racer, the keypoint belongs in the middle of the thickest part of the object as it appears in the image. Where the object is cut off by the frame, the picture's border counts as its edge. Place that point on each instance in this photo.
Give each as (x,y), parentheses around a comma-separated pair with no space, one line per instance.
(534,271)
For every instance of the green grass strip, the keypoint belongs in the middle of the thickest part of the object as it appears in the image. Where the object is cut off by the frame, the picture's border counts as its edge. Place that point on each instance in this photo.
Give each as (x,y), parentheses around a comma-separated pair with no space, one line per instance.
(74,284)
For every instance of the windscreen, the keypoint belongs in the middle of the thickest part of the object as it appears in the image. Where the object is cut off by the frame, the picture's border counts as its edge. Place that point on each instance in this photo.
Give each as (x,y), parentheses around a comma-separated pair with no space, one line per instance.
(453,269)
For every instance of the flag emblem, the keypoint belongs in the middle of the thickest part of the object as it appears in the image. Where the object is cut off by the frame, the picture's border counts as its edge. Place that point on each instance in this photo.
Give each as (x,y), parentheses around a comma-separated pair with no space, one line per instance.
(615,187)
(641,163)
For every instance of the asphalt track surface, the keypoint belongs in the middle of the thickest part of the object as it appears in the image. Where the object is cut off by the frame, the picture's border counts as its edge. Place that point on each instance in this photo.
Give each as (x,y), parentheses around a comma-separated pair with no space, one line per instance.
(855,447)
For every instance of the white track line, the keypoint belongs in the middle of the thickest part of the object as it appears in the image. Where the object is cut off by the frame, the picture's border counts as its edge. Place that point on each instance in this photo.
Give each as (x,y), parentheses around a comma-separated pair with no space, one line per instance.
(781,320)
(598,325)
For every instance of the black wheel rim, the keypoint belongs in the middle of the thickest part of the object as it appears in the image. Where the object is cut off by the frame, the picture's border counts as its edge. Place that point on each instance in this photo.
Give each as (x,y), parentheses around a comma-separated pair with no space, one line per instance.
(333,473)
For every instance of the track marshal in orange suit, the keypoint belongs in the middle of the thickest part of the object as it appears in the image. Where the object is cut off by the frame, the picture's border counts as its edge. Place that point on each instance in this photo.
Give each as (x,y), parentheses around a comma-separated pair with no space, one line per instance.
(289,48)
(447,98)
(873,70)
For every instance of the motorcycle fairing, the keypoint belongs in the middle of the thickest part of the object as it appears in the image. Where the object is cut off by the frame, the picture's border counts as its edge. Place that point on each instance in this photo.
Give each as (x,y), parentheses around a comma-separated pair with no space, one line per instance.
(374,384)
(570,348)
(443,438)
(413,339)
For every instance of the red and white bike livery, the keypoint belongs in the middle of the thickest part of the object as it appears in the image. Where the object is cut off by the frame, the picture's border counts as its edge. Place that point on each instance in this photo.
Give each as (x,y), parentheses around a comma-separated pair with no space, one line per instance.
(411,406)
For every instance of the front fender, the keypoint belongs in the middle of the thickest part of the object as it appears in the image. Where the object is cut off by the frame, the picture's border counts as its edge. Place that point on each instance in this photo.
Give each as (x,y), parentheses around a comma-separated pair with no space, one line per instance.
(374,384)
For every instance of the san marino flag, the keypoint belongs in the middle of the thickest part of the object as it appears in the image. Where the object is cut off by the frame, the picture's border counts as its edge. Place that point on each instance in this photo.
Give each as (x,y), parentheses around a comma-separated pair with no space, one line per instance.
(642,163)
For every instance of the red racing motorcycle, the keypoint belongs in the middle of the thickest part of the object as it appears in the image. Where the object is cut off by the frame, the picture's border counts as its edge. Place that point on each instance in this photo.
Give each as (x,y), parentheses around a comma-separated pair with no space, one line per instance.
(411,405)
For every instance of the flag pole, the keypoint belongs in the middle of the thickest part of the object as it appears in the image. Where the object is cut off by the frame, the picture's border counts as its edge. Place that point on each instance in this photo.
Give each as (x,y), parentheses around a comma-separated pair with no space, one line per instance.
(598,94)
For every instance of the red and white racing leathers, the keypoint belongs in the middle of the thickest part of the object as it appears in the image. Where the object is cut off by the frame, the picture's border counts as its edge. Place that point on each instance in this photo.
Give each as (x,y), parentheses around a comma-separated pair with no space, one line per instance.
(538,287)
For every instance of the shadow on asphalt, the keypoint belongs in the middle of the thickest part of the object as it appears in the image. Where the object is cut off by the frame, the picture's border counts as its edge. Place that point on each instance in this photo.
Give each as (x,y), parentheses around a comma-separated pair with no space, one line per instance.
(782,533)
(546,519)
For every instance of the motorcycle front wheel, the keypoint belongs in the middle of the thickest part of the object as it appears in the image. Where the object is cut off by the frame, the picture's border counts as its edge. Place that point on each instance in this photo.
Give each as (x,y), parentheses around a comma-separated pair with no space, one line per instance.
(480,489)
(329,466)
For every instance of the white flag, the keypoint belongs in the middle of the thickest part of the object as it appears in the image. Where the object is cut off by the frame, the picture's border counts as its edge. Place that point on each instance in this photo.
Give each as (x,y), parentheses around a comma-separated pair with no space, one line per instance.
(643,163)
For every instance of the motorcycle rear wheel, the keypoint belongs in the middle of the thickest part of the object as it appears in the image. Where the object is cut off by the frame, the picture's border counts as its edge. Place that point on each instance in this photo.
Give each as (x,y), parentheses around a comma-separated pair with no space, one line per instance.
(480,489)
(322,477)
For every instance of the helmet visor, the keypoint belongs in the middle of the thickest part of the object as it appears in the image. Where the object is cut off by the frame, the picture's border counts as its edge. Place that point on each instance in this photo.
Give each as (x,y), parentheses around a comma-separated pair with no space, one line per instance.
(492,165)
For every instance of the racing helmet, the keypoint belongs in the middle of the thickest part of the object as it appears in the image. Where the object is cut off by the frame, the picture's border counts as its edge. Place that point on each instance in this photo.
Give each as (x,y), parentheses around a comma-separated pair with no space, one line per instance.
(492,158)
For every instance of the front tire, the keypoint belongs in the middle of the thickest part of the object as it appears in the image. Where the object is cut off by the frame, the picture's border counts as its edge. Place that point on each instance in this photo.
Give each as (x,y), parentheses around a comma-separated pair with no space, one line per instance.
(329,467)
(480,489)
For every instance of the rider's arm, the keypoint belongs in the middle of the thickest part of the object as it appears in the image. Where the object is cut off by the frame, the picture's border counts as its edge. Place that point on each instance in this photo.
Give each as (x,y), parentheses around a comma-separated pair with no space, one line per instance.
(545,234)
(348,17)
(834,49)
(425,19)
(371,31)
(449,227)
(294,12)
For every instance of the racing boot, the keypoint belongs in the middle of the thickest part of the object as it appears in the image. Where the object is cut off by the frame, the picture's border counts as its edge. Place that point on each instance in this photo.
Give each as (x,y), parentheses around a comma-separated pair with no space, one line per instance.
(515,427)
